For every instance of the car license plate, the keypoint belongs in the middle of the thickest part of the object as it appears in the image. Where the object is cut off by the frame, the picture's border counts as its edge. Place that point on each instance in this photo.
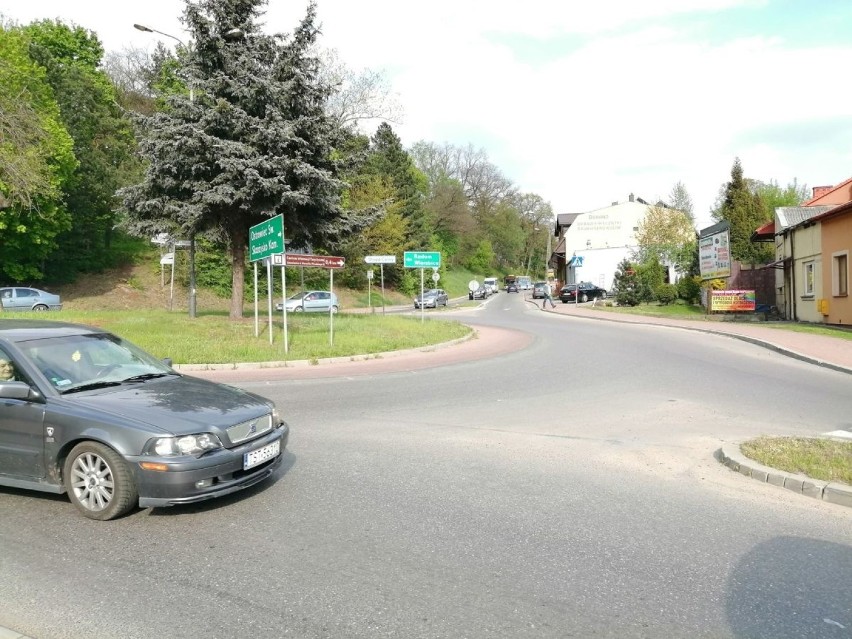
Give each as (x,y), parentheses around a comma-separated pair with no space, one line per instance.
(257,457)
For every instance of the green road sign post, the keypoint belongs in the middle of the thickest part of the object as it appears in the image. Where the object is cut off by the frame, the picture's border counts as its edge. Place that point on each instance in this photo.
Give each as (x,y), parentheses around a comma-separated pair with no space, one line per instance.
(265,240)
(421,260)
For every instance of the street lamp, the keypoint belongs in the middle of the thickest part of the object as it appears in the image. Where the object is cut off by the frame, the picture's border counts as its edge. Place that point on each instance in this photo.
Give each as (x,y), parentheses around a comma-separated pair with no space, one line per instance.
(230,35)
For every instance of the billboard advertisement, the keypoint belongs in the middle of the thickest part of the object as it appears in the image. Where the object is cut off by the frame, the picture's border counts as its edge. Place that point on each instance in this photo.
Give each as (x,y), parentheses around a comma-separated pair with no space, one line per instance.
(714,252)
(732,301)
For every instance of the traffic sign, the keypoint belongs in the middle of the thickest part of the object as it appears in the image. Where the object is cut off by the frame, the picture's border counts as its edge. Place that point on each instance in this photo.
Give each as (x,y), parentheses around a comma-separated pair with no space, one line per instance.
(422,259)
(321,261)
(266,238)
(435,277)
(380,259)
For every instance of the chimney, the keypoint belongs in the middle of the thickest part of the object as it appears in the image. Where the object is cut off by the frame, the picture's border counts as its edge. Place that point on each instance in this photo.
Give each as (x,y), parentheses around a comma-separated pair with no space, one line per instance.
(631,197)
(819,191)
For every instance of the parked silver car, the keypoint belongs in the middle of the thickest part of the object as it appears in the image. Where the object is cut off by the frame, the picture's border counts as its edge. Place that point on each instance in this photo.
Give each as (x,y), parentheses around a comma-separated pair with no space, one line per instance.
(25,298)
(86,413)
(310,302)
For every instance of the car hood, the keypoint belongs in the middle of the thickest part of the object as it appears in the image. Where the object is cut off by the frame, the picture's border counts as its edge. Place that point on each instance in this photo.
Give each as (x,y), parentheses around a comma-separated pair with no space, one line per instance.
(178,405)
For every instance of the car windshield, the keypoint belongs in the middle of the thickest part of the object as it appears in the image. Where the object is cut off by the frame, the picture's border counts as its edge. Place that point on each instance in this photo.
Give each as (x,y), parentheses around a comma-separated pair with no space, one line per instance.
(78,362)
(298,296)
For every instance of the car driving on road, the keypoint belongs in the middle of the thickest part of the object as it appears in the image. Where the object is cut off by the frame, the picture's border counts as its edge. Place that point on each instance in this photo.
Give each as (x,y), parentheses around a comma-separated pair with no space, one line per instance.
(89,414)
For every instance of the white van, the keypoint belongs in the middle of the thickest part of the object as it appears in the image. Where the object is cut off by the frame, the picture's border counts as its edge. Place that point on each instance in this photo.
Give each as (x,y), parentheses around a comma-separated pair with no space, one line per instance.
(524,282)
(491,284)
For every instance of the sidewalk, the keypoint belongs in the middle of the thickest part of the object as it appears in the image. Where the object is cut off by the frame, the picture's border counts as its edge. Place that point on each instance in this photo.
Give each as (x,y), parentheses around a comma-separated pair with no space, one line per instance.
(830,352)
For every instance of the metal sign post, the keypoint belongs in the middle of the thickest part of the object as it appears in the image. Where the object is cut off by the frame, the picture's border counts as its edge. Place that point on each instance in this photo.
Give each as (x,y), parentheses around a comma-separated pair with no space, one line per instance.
(422,260)
(330,262)
(279,259)
(381,260)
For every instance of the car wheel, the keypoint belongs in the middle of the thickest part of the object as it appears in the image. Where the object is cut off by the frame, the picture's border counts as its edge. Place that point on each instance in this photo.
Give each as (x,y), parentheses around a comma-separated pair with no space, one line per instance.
(40,307)
(298,309)
(99,482)
(584,298)
(334,309)
(602,295)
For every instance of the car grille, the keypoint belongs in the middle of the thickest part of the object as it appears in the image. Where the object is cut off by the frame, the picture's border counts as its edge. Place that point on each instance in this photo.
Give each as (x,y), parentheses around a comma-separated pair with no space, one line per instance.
(250,429)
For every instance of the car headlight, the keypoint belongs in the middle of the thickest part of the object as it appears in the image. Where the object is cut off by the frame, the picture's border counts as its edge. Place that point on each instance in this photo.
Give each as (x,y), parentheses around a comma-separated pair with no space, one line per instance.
(276,417)
(184,445)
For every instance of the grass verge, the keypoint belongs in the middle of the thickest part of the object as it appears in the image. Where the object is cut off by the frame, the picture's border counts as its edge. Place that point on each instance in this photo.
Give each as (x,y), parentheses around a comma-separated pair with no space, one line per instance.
(212,338)
(823,459)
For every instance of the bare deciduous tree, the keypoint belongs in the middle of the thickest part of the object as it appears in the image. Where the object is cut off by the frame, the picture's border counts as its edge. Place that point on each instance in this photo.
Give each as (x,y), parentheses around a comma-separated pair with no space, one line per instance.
(361,97)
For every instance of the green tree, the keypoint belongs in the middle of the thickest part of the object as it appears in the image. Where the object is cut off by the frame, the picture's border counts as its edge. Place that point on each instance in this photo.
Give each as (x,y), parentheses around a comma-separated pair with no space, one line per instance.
(388,158)
(254,142)
(745,211)
(36,160)
(772,195)
(626,284)
(668,236)
(104,144)
(680,200)
(481,260)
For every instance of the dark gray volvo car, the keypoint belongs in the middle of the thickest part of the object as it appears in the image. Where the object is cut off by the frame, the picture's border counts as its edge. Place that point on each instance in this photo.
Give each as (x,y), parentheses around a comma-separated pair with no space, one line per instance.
(85,412)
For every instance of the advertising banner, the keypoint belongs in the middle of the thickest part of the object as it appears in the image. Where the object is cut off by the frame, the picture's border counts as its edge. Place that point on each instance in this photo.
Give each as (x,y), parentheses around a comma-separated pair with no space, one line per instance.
(732,301)
(714,252)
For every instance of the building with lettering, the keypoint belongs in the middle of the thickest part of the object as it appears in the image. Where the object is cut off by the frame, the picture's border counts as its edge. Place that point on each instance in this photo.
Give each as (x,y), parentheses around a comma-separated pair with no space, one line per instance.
(591,245)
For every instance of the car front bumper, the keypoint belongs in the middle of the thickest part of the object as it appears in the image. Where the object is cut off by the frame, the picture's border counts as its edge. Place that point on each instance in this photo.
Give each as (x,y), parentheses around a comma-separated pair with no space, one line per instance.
(224,467)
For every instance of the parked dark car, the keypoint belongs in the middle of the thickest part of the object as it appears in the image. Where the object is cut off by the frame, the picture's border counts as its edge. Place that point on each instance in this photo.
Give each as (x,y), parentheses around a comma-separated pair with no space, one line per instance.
(25,298)
(432,298)
(512,287)
(86,413)
(588,291)
(538,290)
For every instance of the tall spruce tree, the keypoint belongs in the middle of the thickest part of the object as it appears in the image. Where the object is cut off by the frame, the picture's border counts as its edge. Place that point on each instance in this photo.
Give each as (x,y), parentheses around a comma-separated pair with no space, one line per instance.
(249,141)
(743,209)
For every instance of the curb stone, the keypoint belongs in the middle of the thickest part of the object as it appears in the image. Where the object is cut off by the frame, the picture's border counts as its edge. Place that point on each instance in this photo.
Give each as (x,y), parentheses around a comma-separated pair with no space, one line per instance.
(294,363)
(832,492)
(6,633)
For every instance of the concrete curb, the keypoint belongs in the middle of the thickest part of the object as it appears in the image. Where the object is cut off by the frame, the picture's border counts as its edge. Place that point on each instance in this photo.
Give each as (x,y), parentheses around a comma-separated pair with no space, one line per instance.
(296,363)
(6,633)
(832,492)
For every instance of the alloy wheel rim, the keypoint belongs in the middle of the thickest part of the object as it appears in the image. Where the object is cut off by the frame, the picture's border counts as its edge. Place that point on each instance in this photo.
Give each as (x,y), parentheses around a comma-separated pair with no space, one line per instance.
(92,481)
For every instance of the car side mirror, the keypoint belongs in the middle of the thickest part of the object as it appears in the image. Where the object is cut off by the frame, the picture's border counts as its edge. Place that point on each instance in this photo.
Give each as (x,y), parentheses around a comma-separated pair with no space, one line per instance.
(18,390)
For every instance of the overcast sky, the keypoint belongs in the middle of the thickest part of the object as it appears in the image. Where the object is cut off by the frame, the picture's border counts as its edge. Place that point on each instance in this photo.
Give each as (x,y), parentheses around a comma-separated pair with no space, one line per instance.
(583,102)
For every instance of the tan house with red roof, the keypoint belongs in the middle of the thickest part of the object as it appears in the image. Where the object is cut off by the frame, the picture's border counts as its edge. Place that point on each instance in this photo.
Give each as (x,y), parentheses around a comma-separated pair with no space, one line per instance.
(812,246)
(836,231)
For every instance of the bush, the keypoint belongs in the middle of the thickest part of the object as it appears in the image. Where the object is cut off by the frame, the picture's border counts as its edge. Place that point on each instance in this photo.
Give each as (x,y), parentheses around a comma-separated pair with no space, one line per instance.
(666,293)
(689,289)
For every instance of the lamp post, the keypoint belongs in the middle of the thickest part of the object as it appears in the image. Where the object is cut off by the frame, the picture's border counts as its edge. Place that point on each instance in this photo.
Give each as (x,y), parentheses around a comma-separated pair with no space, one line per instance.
(230,35)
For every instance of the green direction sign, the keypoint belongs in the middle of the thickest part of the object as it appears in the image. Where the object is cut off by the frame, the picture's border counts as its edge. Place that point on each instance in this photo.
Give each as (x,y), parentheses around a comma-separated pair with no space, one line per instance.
(421,259)
(266,238)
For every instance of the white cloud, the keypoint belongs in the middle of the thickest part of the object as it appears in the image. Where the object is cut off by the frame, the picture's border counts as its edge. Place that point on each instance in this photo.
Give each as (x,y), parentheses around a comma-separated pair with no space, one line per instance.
(582,103)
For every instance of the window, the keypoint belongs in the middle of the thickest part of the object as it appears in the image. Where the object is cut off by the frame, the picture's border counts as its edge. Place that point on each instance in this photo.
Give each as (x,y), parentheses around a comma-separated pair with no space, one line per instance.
(809,278)
(840,274)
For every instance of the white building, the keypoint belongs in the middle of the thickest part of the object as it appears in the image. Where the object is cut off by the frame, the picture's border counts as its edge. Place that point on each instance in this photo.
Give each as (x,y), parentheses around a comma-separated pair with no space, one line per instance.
(591,245)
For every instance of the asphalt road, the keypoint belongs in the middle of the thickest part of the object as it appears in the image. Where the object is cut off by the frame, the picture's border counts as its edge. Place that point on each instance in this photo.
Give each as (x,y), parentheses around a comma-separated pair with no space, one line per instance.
(567,489)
